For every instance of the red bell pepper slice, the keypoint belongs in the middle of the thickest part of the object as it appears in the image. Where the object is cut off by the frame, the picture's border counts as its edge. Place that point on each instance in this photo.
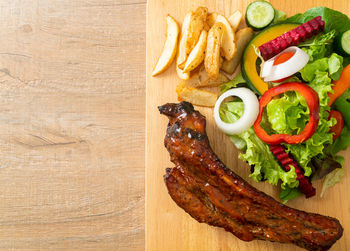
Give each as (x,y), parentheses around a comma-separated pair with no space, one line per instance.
(338,127)
(313,103)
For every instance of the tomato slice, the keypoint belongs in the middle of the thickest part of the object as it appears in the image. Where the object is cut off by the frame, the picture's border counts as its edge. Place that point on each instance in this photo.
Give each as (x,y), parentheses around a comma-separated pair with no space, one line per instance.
(283,58)
(338,127)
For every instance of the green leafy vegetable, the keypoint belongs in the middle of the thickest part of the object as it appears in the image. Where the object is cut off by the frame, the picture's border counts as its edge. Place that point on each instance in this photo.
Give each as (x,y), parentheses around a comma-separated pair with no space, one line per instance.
(334,20)
(323,165)
(331,179)
(288,114)
(323,67)
(346,61)
(289,194)
(321,39)
(280,16)
(319,46)
(322,85)
(233,83)
(335,63)
(342,104)
(308,72)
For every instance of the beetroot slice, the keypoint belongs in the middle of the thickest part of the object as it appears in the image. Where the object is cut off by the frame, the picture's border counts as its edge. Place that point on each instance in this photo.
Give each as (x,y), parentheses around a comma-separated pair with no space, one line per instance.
(292,37)
(286,161)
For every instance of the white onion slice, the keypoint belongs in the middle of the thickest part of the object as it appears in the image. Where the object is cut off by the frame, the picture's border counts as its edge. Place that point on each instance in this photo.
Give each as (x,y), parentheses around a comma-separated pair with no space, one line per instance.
(251,111)
(286,69)
(266,68)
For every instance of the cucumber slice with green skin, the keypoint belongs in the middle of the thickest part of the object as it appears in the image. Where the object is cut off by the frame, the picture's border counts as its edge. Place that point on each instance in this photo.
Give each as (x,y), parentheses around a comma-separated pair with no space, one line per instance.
(342,43)
(259,14)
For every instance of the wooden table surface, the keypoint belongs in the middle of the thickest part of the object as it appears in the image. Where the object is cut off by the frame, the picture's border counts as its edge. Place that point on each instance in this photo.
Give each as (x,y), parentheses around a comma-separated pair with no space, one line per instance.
(72,102)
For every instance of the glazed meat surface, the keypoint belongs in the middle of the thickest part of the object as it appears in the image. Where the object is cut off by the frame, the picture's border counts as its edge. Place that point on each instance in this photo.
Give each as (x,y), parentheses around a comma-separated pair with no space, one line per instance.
(210,192)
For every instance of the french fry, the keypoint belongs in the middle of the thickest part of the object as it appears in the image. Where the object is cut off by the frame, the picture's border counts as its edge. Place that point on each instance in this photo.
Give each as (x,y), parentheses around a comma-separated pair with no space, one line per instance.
(196,96)
(243,36)
(197,54)
(235,19)
(169,49)
(212,56)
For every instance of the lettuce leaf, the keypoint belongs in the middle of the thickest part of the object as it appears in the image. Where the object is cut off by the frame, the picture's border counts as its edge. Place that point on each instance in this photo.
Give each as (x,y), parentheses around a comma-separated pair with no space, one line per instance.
(335,63)
(289,194)
(288,114)
(332,66)
(308,72)
(233,83)
(331,179)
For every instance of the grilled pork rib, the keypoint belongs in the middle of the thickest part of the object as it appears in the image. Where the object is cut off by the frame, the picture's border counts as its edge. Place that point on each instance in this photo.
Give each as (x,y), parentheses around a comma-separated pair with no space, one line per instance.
(210,192)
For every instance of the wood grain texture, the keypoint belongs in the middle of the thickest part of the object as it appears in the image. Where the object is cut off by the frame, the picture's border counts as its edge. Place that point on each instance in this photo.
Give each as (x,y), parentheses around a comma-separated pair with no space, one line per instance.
(72,124)
(168,227)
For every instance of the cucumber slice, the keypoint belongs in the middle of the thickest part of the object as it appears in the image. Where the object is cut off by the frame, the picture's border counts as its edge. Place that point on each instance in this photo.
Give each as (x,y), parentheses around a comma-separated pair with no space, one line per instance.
(342,43)
(259,14)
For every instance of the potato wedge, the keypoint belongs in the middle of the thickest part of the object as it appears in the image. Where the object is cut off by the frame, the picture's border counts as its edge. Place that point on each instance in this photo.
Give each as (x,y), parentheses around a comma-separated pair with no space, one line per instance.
(198,21)
(235,19)
(197,54)
(196,96)
(212,55)
(211,19)
(201,79)
(228,46)
(182,51)
(181,74)
(196,25)
(206,26)
(243,36)
(170,46)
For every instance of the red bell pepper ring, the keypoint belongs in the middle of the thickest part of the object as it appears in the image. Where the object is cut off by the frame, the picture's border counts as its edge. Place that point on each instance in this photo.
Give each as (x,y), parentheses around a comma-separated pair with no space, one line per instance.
(313,103)
(338,127)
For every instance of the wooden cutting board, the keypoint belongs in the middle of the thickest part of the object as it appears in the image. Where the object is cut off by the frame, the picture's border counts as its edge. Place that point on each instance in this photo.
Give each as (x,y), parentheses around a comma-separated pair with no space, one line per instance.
(168,227)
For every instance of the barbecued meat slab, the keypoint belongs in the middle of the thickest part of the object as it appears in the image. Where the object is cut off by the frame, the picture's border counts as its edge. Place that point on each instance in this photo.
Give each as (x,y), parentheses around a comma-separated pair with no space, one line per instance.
(210,192)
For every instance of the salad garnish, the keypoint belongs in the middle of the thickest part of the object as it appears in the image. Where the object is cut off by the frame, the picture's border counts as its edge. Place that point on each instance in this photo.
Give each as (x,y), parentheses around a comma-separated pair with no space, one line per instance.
(312,101)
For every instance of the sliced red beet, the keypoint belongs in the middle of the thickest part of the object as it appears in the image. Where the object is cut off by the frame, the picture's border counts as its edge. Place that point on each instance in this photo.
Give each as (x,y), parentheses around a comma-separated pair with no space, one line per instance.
(283,44)
(309,29)
(286,161)
(292,37)
(295,37)
(302,33)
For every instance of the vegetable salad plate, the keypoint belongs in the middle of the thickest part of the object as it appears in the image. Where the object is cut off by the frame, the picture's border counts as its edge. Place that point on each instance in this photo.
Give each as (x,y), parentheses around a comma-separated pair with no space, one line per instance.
(257,102)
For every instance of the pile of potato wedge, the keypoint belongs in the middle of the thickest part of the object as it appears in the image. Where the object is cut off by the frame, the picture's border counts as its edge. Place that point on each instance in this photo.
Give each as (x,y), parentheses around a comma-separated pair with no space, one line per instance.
(206,46)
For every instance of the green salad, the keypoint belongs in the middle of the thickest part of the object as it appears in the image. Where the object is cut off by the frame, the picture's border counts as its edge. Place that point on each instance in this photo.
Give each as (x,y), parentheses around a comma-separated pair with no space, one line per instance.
(289,113)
